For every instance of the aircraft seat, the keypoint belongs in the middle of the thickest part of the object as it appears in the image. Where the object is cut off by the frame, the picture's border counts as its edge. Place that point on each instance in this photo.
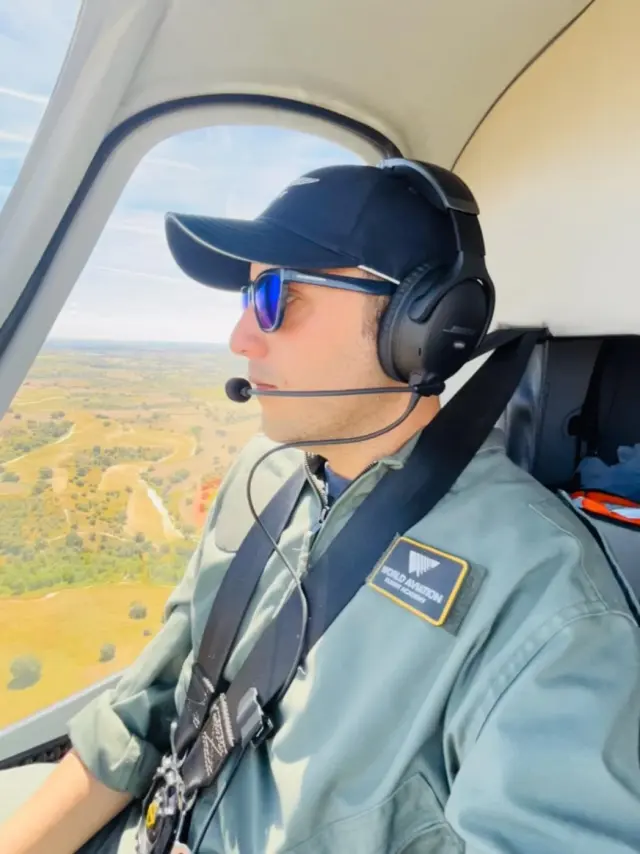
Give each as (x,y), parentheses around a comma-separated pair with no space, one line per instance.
(579,397)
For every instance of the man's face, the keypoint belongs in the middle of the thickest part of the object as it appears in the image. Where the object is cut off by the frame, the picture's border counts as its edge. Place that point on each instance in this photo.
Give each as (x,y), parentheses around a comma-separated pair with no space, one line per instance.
(326,341)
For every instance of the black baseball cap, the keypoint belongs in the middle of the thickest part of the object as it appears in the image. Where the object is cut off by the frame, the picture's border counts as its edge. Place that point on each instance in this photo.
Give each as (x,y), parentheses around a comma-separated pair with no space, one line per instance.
(336,216)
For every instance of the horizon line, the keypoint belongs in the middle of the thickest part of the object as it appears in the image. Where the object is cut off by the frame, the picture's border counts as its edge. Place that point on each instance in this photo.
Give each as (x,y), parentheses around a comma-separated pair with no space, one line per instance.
(131,341)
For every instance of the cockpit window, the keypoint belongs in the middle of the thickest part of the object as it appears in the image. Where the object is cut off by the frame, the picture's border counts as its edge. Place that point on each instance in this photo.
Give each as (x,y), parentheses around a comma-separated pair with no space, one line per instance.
(117,441)
(34,37)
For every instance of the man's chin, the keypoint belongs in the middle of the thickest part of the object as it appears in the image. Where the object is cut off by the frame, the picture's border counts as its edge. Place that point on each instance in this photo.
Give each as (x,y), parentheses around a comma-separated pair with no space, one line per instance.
(283,431)
(280,433)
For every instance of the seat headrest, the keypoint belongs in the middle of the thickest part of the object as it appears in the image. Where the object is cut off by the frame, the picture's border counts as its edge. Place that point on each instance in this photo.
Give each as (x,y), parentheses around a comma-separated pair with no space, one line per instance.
(545,419)
(579,397)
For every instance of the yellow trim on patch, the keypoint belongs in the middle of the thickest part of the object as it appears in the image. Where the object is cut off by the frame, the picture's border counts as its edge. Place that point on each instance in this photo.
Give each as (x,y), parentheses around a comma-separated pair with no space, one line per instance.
(452,596)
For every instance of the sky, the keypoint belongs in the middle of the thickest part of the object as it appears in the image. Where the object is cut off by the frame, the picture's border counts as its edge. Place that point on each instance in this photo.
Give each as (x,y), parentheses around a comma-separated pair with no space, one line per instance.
(131,289)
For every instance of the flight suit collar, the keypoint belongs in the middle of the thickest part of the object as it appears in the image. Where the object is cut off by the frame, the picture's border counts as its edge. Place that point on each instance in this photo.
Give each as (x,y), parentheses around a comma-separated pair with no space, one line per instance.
(495,442)
(397,459)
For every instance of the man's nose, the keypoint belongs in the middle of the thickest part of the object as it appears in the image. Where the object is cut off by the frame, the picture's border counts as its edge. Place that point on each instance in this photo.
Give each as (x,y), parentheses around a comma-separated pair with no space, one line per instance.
(247,339)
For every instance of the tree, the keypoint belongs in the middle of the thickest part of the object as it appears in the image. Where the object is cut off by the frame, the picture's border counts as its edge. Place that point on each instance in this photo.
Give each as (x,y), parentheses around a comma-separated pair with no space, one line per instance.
(137,611)
(107,652)
(74,540)
(26,671)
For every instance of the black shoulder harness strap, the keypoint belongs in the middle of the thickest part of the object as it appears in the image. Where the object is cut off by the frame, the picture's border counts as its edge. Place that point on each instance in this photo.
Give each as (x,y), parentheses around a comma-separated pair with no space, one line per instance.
(232,600)
(399,500)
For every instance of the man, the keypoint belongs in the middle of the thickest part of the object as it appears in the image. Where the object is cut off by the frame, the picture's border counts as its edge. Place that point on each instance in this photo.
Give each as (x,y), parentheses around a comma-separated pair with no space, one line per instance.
(510,726)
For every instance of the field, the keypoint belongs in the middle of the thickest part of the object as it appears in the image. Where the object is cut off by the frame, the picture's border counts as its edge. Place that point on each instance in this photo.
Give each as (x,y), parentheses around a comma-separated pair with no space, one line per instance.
(66,632)
(109,458)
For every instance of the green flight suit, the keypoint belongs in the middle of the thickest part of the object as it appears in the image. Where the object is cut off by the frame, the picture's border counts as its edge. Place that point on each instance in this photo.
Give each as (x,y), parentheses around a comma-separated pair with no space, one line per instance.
(511,728)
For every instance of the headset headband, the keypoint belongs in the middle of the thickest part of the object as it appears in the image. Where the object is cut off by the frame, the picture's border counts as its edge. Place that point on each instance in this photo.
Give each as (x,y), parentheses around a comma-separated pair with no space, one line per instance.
(450,194)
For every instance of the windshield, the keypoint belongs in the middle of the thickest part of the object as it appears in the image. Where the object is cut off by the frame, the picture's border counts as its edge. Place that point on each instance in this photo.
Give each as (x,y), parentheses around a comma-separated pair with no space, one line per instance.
(34,37)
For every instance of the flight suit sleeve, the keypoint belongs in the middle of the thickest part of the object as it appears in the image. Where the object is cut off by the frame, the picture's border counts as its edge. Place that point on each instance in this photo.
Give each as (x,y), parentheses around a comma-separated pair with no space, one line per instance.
(554,766)
(121,734)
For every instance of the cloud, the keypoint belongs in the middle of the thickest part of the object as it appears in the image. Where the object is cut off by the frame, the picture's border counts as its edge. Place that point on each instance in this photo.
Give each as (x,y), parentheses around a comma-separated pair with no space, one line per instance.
(167,163)
(131,288)
(33,40)
(23,96)
(7,136)
(116,303)
(152,277)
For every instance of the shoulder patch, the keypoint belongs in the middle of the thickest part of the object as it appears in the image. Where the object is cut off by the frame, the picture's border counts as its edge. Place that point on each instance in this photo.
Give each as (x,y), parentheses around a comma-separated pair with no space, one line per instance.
(422,579)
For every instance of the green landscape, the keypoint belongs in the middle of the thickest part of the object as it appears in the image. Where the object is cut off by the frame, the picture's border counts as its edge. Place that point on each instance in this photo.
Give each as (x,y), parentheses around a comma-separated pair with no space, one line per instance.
(110,456)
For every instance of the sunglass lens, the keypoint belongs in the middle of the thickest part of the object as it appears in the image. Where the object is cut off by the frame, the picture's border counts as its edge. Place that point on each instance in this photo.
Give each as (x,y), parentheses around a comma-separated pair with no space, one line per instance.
(267,300)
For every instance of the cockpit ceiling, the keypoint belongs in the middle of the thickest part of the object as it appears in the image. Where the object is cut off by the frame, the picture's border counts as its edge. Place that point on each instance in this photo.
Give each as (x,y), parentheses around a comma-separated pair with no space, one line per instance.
(421,72)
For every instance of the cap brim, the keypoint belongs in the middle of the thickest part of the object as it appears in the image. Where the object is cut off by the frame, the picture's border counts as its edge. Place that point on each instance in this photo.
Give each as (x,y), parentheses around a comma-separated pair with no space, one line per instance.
(218,252)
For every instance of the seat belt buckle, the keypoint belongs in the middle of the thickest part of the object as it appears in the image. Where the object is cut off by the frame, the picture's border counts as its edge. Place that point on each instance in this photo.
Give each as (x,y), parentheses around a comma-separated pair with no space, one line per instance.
(253,724)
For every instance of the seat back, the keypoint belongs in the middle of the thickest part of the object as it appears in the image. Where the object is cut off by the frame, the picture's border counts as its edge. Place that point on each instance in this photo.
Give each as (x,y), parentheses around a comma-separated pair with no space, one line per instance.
(578,397)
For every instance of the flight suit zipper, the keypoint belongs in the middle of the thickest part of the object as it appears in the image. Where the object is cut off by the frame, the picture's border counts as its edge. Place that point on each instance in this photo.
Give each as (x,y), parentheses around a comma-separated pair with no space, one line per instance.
(311,537)
(322,498)
(325,508)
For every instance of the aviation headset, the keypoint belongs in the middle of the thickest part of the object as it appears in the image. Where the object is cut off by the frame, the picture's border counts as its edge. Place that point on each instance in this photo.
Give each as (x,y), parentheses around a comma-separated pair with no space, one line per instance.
(438,315)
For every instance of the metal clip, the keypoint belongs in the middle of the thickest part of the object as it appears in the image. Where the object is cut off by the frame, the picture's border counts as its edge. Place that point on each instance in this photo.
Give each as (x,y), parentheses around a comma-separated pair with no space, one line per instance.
(176,761)
(187,806)
(255,727)
(166,803)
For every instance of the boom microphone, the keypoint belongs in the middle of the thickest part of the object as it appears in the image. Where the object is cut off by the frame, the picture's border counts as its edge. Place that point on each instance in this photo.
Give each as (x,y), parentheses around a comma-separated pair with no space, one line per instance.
(240,391)
(237,389)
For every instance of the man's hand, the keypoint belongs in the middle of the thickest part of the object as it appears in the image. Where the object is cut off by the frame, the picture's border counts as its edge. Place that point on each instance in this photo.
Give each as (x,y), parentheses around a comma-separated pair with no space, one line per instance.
(67,810)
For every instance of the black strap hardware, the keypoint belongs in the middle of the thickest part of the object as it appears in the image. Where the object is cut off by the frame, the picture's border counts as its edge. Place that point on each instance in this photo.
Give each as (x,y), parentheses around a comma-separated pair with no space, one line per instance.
(255,727)
(230,606)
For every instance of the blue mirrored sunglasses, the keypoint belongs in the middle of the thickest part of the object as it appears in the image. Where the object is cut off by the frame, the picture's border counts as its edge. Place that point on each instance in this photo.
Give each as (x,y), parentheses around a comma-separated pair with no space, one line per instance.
(268,293)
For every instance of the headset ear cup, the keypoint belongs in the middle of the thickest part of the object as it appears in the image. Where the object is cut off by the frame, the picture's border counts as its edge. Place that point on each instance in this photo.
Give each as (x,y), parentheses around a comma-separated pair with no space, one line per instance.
(445,330)
(392,319)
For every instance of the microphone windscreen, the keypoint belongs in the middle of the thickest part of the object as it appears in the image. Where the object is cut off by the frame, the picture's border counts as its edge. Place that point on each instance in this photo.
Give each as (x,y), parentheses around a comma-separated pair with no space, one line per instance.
(236,389)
